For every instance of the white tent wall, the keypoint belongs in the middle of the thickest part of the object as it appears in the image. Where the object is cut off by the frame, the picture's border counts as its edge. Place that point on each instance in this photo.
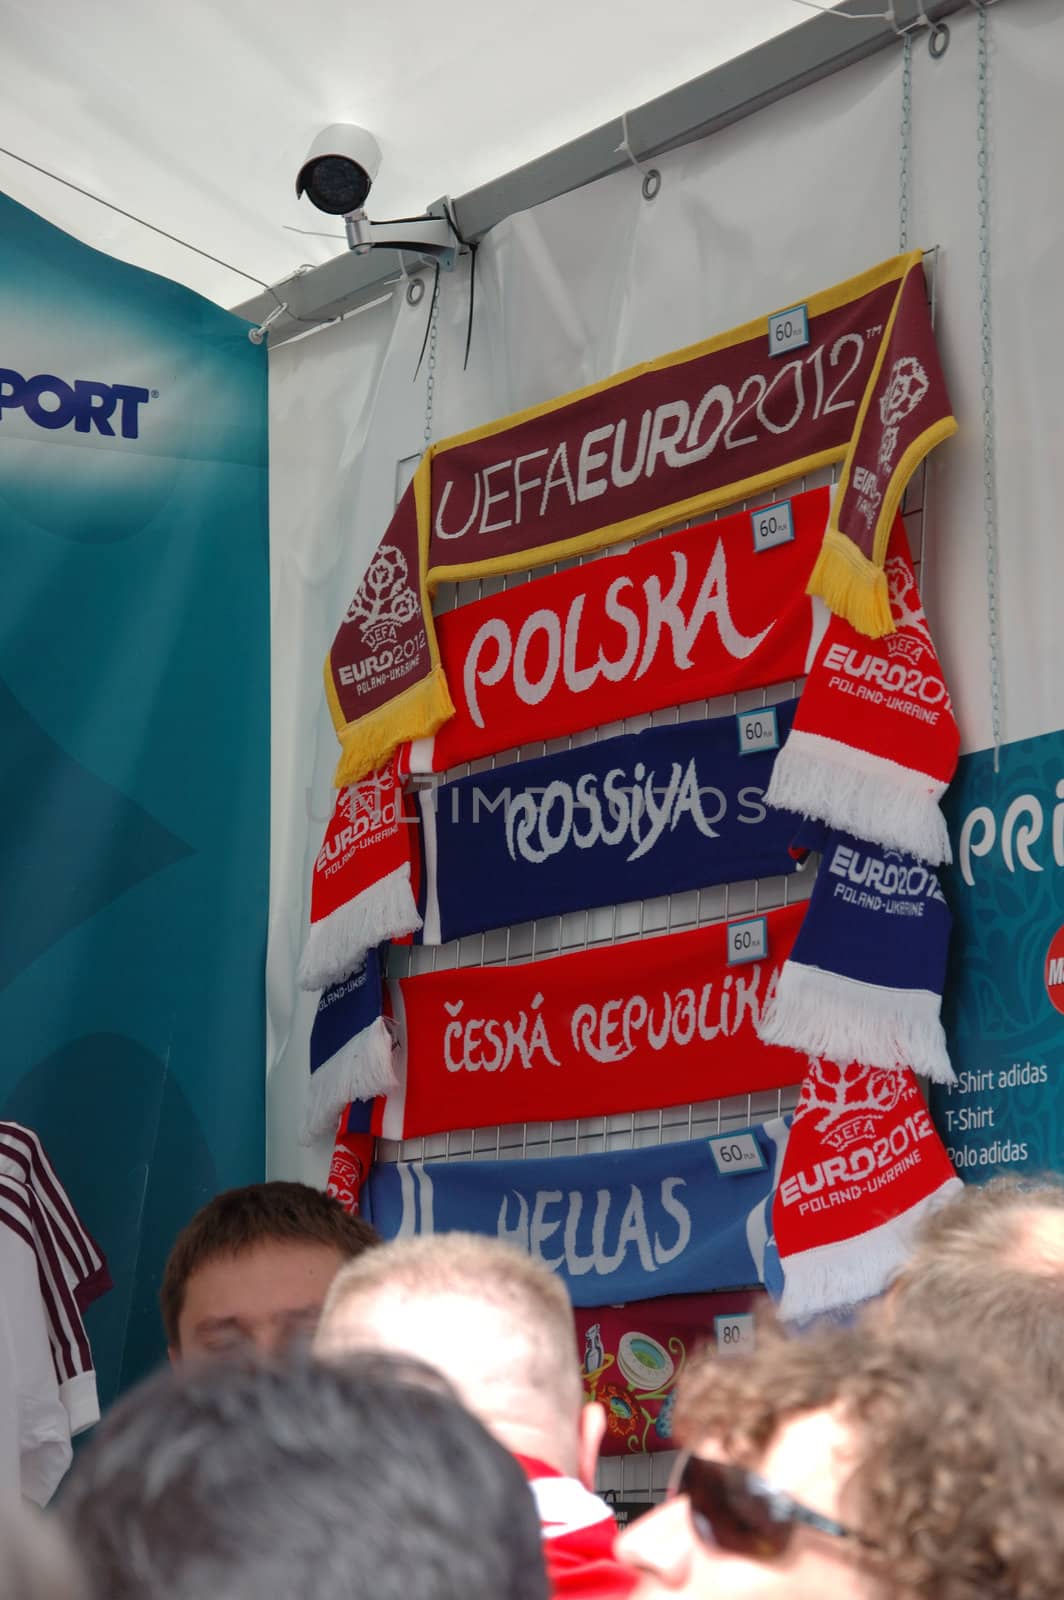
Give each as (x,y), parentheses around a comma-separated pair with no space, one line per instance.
(790,200)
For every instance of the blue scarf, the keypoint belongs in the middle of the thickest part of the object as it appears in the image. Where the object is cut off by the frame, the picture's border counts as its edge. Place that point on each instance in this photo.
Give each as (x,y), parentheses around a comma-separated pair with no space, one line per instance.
(864,978)
(647,814)
(626,1225)
(350,1048)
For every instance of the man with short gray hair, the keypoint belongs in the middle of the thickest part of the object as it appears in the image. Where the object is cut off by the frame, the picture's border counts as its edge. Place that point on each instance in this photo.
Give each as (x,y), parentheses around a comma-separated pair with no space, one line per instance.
(988,1267)
(500,1326)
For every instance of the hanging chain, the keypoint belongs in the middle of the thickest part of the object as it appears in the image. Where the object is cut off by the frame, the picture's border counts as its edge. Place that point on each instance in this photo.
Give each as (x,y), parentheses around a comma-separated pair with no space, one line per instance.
(430,378)
(990,497)
(906,141)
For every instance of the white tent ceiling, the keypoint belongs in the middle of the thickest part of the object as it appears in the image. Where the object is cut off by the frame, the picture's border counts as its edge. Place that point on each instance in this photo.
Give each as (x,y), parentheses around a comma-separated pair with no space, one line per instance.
(196,115)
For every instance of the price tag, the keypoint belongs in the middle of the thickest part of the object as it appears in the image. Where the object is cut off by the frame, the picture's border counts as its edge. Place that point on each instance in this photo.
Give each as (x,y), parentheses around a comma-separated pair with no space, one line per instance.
(772,525)
(737,1152)
(758,730)
(735,1336)
(788,330)
(747,941)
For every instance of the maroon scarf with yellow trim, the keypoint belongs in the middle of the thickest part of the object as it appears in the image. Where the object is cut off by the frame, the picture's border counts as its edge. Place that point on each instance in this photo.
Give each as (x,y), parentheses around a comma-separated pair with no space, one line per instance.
(706,426)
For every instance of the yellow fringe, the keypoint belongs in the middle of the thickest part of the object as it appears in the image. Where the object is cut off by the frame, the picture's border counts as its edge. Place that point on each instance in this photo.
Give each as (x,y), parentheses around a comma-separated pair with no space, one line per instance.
(418,711)
(852,586)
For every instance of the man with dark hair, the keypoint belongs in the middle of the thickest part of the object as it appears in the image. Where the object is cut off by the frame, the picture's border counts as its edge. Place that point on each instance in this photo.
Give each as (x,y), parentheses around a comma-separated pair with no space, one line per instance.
(988,1269)
(857,1464)
(267,1482)
(252,1269)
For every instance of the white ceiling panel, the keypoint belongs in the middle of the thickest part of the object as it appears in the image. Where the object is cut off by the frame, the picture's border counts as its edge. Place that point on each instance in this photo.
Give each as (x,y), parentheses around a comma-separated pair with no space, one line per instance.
(195,116)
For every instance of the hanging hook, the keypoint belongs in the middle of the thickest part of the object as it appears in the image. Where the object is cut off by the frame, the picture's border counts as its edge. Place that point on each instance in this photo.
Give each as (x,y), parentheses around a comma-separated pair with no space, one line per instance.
(257,335)
(651,175)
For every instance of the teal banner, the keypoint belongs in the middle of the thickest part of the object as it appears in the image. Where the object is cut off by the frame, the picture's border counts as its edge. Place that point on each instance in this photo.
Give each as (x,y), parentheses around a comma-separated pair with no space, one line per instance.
(134,728)
(1004,1003)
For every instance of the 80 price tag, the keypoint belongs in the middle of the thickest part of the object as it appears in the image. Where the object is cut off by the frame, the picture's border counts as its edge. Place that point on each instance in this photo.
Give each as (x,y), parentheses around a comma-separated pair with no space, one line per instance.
(788,330)
(747,941)
(735,1335)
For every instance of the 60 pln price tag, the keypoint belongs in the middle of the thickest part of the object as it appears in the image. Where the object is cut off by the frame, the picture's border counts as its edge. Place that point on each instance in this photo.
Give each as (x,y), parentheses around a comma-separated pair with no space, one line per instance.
(772,525)
(735,1335)
(737,1152)
(747,941)
(758,730)
(788,330)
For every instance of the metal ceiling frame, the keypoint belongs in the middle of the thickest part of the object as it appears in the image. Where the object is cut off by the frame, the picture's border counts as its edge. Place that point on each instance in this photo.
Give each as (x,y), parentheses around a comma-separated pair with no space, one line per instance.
(816,49)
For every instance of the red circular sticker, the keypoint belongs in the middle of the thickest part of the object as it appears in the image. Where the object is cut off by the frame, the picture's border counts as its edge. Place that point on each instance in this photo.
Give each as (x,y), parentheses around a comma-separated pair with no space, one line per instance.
(1054,973)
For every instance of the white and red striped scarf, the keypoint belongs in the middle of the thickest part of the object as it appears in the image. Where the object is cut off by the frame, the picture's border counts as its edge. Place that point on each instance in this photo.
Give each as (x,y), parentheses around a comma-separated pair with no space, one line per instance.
(578,1533)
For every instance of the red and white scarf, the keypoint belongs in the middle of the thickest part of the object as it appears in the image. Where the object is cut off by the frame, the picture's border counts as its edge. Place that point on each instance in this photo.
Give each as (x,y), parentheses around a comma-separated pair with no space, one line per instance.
(689,617)
(659,1021)
(578,1535)
(362,893)
(874,742)
(863,1166)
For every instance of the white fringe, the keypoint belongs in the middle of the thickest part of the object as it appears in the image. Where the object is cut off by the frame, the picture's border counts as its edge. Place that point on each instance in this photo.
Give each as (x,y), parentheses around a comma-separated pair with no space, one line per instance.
(338,943)
(360,1070)
(825,1014)
(861,793)
(833,1276)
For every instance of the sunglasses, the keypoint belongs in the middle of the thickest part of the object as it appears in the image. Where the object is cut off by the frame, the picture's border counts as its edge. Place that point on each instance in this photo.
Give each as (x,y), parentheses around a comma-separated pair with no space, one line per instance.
(733,1509)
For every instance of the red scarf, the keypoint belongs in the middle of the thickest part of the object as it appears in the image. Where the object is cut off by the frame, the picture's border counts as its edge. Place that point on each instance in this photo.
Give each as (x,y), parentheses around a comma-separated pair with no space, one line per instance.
(874,742)
(362,892)
(578,1535)
(863,1166)
(659,1021)
(689,617)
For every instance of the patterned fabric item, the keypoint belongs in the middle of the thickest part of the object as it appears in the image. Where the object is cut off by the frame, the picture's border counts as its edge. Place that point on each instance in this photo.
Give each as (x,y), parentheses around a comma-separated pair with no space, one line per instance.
(53,1269)
(864,979)
(646,814)
(352,1157)
(863,1167)
(350,1048)
(626,1027)
(874,742)
(362,893)
(662,443)
(632,1358)
(689,617)
(625,1225)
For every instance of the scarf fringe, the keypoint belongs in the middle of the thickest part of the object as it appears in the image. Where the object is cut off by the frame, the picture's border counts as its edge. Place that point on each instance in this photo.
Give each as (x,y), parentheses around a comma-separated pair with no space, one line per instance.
(861,793)
(337,945)
(360,1070)
(371,741)
(829,1015)
(852,586)
(831,1277)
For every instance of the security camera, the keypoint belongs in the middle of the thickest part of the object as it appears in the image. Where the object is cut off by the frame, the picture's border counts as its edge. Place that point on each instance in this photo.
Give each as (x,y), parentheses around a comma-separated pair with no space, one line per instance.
(339,169)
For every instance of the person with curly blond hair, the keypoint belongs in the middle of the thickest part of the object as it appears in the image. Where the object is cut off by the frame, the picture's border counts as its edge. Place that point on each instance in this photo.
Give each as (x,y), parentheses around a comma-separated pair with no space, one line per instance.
(858,1465)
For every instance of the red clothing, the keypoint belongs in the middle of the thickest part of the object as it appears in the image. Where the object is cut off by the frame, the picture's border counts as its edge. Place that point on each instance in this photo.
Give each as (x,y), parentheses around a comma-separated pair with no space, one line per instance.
(578,1534)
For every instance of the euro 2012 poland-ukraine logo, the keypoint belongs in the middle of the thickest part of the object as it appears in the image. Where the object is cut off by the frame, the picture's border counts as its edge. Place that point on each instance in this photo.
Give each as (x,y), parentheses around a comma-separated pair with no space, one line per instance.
(907,387)
(848,1101)
(385,600)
